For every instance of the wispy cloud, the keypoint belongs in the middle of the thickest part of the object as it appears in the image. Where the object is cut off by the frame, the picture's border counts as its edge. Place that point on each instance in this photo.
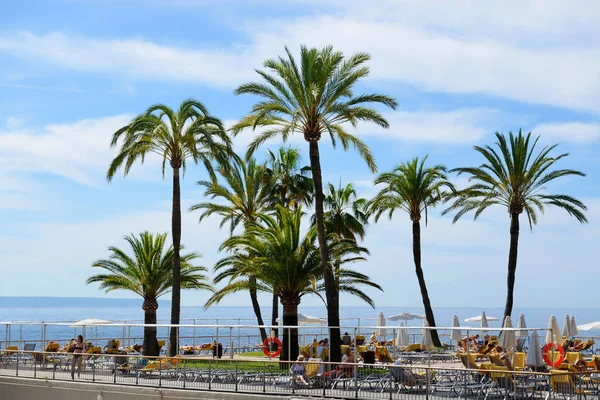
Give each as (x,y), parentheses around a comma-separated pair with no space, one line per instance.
(574,132)
(42,88)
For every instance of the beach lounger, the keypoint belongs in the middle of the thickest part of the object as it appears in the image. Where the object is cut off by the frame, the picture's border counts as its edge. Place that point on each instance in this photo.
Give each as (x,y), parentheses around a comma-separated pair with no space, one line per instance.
(562,383)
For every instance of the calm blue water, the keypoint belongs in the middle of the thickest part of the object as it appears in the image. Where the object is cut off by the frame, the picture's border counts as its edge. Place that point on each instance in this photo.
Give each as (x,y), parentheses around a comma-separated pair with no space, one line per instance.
(535,317)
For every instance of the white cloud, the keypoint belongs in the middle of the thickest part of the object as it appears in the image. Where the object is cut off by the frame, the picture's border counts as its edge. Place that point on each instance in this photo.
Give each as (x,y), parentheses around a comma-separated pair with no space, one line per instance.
(463,126)
(530,53)
(574,132)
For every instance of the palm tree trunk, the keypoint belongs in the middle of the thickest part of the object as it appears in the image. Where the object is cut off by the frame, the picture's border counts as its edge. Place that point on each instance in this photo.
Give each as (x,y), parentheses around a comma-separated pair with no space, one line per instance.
(275,313)
(256,307)
(512,263)
(176,291)
(150,343)
(290,348)
(331,290)
(416,231)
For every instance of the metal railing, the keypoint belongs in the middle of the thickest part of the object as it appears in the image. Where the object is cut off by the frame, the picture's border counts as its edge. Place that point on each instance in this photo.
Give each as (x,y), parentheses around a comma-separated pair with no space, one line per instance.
(313,378)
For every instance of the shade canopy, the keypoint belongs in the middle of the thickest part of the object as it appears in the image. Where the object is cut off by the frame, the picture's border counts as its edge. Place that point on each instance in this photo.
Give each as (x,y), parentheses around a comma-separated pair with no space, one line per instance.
(402,339)
(553,334)
(534,354)
(522,325)
(90,322)
(574,330)
(405,317)
(507,338)
(566,329)
(380,323)
(306,319)
(455,334)
(482,319)
(589,327)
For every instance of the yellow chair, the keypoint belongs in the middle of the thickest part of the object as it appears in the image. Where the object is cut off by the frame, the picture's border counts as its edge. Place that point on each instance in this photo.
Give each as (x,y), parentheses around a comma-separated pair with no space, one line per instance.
(343,348)
(311,368)
(572,357)
(468,361)
(413,347)
(359,340)
(52,347)
(562,382)
(495,359)
(383,354)
(305,351)
(519,360)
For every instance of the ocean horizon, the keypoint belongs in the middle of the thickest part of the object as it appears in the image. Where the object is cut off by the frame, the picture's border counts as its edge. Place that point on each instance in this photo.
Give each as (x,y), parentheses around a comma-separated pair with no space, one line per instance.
(56,309)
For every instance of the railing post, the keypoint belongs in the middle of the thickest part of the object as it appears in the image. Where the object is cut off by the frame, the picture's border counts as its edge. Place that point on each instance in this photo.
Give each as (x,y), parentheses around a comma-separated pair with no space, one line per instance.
(94,371)
(209,376)
(17,363)
(184,372)
(114,369)
(264,377)
(355,368)
(137,372)
(230,343)
(236,376)
(34,366)
(159,372)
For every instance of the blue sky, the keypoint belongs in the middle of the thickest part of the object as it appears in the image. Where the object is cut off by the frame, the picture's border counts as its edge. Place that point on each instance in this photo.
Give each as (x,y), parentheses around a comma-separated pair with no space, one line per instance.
(72,72)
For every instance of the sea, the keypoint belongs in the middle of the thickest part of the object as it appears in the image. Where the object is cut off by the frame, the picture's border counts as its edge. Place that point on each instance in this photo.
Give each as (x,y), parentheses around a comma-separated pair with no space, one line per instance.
(225,324)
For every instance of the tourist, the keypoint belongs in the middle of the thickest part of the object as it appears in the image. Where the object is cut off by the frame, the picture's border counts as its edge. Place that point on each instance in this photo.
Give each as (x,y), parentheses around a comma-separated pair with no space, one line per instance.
(298,370)
(79,349)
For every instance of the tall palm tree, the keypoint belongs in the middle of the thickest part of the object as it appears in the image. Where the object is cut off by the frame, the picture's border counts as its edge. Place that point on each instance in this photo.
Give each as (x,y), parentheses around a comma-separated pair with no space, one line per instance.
(175,136)
(313,98)
(244,199)
(291,186)
(149,274)
(514,175)
(345,213)
(413,188)
(287,264)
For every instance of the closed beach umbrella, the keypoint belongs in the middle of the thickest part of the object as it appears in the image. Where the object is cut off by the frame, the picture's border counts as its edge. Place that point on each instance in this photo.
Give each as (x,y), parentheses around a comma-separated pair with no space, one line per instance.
(456,333)
(590,326)
(534,354)
(553,334)
(507,338)
(574,331)
(566,330)
(522,325)
(405,317)
(402,339)
(426,340)
(380,322)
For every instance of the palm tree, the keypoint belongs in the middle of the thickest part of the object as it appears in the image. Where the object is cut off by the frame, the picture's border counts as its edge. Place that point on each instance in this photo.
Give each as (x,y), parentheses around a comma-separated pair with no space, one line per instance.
(245,199)
(291,186)
(190,133)
(313,98)
(345,213)
(413,188)
(287,264)
(515,176)
(149,274)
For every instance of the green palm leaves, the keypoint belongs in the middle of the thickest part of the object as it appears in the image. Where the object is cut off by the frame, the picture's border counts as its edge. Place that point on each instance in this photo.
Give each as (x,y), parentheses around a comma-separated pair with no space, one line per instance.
(148,272)
(514,175)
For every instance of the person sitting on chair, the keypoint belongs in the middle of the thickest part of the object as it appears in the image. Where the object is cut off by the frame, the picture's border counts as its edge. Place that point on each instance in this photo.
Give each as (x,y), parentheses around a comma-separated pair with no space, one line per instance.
(466,341)
(346,339)
(298,370)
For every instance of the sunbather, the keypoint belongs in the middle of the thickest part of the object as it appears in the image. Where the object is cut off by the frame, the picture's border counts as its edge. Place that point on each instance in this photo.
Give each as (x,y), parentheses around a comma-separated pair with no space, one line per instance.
(298,370)
(466,341)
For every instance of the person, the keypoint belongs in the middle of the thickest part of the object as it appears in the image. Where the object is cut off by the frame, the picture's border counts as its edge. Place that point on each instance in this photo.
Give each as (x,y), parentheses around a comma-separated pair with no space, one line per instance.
(137,348)
(504,357)
(467,340)
(404,374)
(373,338)
(298,370)
(346,339)
(78,351)
(344,369)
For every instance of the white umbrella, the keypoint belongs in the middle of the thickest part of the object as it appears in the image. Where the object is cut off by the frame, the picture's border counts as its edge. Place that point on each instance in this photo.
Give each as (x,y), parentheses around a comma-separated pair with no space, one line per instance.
(507,338)
(455,334)
(534,354)
(566,330)
(522,325)
(402,339)
(553,334)
(405,317)
(90,322)
(573,326)
(590,326)
(483,319)
(426,340)
(306,319)
(381,322)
